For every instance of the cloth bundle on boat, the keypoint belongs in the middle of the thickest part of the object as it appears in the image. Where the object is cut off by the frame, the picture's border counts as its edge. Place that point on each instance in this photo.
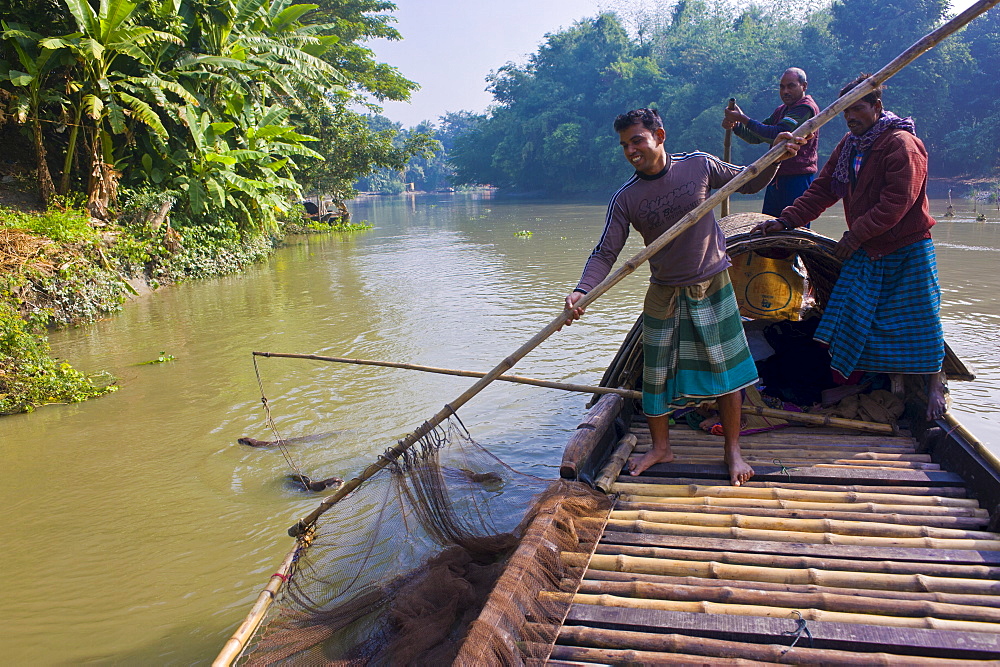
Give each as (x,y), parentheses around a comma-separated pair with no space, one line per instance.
(879,406)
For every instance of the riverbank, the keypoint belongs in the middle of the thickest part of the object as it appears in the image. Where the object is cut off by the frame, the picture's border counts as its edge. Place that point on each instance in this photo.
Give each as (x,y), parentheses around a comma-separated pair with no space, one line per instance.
(61,268)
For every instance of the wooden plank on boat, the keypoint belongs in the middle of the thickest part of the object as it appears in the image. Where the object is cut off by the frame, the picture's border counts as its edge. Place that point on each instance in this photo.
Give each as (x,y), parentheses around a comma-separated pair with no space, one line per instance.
(956,454)
(845,636)
(956,556)
(709,650)
(811,474)
(586,655)
(593,430)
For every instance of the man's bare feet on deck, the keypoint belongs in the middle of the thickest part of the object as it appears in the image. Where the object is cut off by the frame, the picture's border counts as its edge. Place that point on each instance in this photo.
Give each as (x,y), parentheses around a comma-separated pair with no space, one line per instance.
(740,471)
(937,397)
(650,458)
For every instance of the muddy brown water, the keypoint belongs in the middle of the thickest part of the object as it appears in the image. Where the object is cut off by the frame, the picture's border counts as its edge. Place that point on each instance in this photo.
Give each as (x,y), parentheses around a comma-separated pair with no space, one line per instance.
(135,529)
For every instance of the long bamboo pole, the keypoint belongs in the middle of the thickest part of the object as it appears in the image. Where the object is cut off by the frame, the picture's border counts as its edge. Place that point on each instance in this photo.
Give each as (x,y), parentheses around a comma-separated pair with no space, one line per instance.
(727,150)
(519,379)
(788,415)
(921,46)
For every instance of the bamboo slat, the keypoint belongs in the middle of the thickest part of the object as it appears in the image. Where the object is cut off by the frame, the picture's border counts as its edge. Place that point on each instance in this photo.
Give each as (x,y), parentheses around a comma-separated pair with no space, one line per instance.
(813,549)
(811,474)
(847,528)
(961,571)
(971,600)
(757,459)
(801,537)
(754,503)
(775,493)
(836,512)
(765,450)
(716,570)
(792,485)
(854,604)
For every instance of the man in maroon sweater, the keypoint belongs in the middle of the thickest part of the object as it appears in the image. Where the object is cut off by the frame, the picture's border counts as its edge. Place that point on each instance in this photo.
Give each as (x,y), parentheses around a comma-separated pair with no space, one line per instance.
(882,316)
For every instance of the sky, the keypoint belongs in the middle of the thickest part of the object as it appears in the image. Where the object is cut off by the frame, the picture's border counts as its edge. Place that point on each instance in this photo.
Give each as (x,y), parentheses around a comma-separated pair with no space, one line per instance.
(450,47)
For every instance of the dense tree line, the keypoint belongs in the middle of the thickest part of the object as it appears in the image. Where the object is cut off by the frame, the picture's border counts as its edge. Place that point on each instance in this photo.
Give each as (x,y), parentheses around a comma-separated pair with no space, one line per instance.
(424,172)
(218,108)
(550,128)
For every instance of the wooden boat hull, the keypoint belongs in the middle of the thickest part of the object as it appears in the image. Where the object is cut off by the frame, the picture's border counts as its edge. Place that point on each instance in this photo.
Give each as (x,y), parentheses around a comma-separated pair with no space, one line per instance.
(844,548)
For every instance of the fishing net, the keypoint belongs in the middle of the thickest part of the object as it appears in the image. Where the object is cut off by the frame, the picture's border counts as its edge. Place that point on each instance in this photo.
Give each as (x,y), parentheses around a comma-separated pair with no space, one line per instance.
(396,572)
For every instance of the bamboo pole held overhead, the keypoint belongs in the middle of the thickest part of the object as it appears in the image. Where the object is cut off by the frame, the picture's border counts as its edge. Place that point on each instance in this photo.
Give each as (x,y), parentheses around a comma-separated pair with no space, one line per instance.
(727,149)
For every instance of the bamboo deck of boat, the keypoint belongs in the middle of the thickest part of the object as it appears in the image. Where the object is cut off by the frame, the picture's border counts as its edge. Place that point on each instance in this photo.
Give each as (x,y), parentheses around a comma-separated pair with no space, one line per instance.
(843,549)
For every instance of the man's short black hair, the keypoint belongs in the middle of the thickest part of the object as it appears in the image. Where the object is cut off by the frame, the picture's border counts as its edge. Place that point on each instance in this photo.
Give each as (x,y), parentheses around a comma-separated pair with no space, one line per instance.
(650,119)
(872,97)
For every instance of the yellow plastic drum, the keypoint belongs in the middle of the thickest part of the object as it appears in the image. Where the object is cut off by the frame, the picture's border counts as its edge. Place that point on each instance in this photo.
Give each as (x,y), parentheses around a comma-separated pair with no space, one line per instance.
(767,288)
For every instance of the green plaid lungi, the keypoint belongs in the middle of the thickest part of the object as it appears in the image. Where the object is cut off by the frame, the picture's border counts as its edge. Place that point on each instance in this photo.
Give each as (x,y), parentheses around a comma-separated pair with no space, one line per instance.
(693,345)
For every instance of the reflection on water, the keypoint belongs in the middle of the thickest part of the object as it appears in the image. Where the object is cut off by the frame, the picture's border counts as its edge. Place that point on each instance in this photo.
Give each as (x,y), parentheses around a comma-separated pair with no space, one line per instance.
(137,530)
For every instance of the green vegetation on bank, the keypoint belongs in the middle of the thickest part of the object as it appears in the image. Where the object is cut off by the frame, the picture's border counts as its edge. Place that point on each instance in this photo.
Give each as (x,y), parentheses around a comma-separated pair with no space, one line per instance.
(550,128)
(171,139)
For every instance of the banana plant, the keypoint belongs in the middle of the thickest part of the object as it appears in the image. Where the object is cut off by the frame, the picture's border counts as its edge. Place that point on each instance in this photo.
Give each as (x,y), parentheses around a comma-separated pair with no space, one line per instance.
(244,166)
(115,67)
(31,93)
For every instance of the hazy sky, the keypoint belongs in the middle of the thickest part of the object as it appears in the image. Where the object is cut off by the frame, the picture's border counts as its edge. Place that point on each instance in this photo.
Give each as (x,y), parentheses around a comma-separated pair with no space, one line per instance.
(449,47)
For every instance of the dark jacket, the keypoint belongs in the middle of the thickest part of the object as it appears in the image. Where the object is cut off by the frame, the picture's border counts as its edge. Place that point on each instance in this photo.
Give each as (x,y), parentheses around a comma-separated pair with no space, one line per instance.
(887,207)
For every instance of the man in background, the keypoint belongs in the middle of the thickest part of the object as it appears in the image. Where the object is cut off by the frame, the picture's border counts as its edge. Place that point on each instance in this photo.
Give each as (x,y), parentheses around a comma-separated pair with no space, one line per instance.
(795,174)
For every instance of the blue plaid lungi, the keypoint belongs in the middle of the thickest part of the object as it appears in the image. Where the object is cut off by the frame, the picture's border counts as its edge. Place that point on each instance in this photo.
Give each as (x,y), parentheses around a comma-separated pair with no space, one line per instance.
(883,313)
(693,345)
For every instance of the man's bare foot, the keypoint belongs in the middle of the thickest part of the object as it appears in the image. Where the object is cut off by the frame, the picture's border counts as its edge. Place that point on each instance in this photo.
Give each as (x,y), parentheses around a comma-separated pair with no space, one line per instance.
(937,397)
(740,471)
(650,458)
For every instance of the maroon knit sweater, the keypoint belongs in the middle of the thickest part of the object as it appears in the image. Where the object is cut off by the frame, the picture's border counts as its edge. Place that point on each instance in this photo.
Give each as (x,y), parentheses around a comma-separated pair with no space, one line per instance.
(886,208)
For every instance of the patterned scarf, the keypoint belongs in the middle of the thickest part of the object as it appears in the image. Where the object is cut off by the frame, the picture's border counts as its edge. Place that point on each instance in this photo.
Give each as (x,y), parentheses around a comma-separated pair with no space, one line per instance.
(855,144)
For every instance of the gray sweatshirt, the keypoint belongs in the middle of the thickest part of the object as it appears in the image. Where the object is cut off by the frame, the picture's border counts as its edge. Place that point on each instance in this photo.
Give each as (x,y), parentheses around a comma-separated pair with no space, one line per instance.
(653,204)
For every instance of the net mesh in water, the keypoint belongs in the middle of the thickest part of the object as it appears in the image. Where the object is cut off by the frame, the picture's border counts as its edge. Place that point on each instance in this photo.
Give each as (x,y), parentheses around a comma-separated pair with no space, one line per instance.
(398,570)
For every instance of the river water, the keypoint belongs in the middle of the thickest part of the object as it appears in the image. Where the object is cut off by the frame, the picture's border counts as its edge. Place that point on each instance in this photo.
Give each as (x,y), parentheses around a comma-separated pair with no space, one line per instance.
(136,530)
